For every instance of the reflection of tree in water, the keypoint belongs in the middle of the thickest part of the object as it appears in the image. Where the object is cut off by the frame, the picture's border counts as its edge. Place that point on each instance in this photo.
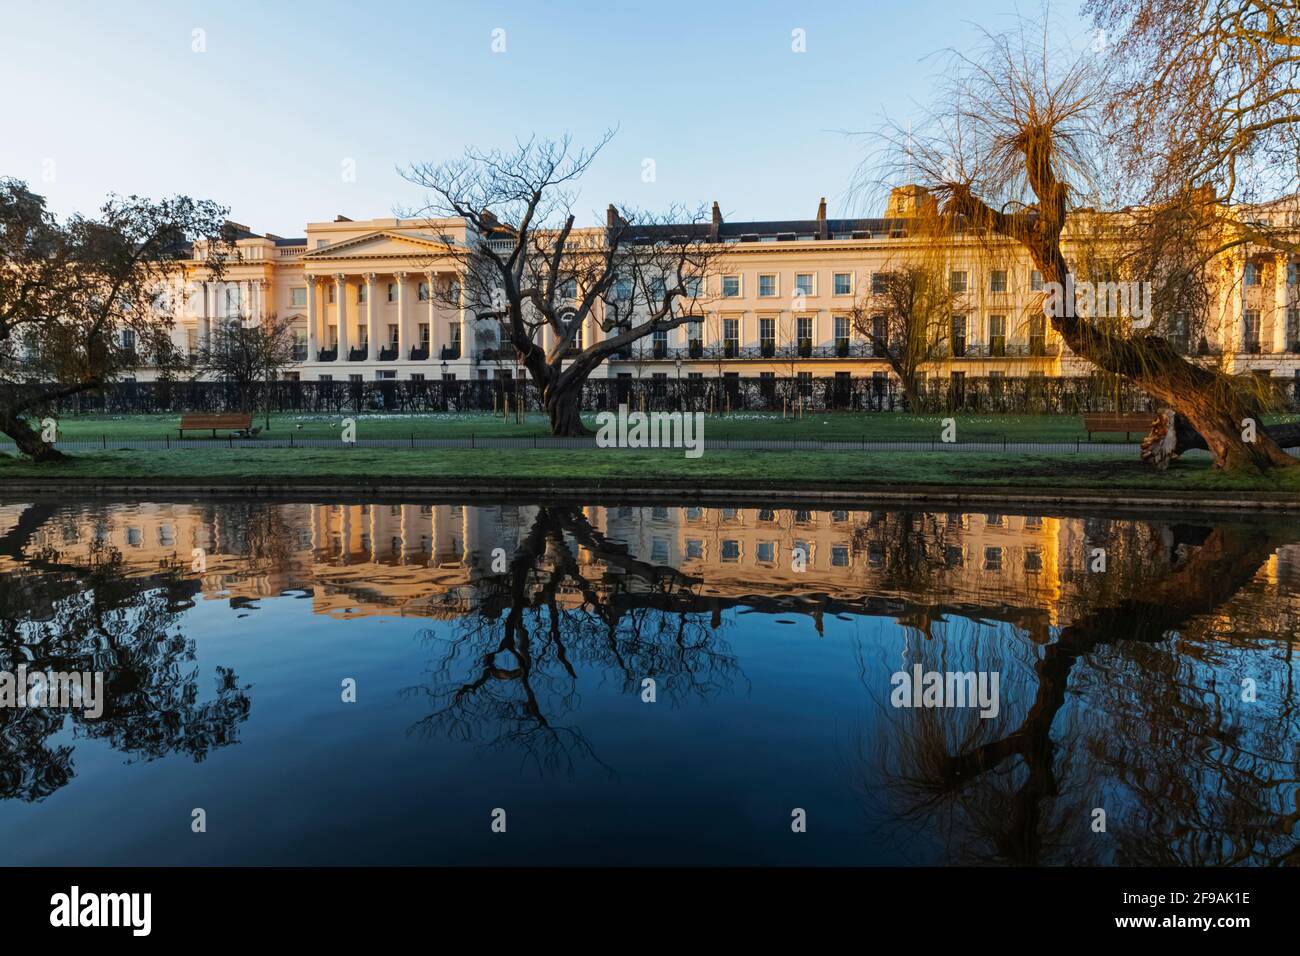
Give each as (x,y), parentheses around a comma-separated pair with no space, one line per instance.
(1151,731)
(507,675)
(91,616)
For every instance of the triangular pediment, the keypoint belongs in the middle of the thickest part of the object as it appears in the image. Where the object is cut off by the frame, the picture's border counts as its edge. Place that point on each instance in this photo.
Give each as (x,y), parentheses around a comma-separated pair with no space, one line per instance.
(379,245)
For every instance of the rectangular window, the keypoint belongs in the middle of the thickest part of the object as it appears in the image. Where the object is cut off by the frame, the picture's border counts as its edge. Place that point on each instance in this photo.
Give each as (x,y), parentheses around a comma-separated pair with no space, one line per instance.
(841,330)
(844,283)
(298,297)
(424,292)
(805,284)
(766,286)
(957,282)
(879,335)
(731,337)
(1038,335)
(1253,273)
(998,280)
(958,335)
(804,332)
(1035,280)
(361,294)
(767,336)
(731,287)
(997,335)
(1250,332)
(879,282)
(392,292)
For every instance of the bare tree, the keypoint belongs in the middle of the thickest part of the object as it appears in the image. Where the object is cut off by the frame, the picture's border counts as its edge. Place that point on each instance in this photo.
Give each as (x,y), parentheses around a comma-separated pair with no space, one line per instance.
(1016,145)
(1207,96)
(79,299)
(549,284)
(249,354)
(906,322)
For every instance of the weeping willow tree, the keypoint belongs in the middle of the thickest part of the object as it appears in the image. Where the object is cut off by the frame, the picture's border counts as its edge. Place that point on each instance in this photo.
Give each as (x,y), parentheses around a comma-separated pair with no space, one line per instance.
(1016,156)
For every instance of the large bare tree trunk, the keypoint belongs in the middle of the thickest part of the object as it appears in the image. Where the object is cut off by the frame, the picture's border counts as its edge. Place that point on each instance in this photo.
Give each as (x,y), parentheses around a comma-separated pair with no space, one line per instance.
(564,408)
(1172,434)
(28,439)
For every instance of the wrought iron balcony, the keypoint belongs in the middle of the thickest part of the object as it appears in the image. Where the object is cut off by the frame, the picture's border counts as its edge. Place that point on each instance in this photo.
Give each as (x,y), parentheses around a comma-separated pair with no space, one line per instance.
(359,354)
(389,354)
(327,355)
(450,352)
(419,353)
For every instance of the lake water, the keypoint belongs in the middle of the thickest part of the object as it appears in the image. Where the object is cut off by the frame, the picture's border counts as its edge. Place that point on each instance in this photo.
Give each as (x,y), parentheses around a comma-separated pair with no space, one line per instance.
(647,685)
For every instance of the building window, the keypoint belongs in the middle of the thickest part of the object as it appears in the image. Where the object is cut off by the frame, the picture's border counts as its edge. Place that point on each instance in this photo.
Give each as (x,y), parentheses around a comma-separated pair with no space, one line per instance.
(958,335)
(330,293)
(569,288)
(841,332)
(1035,280)
(730,287)
(730,550)
(879,283)
(844,283)
(804,331)
(765,552)
(992,559)
(361,294)
(1250,336)
(731,335)
(392,292)
(805,283)
(298,297)
(957,282)
(424,292)
(767,335)
(839,556)
(767,285)
(1253,273)
(997,335)
(998,280)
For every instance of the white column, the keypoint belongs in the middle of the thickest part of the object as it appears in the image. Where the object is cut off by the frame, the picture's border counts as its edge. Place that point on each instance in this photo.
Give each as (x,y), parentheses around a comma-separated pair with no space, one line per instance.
(372,330)
(434,349)
(341,313)
(205,320)
(313,337)
(403,320)
(460,318)
(1279,306)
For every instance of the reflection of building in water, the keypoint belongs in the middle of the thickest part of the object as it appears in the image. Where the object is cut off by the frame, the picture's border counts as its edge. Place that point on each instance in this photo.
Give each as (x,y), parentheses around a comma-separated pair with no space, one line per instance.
(423,559)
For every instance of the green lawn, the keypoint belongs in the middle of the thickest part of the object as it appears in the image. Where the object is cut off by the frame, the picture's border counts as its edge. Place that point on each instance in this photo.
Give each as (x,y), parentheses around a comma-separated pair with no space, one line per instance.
(752,425)
(793,469)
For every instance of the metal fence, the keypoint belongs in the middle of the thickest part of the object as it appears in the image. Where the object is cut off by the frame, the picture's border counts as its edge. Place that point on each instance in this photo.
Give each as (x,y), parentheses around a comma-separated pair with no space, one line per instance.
(726,393)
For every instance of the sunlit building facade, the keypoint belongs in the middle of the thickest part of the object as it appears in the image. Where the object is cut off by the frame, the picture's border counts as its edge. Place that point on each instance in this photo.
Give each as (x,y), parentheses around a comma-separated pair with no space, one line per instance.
(376,300)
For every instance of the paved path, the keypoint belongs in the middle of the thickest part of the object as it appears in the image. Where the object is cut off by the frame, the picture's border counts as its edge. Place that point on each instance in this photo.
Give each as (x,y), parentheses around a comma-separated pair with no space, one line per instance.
(545,442)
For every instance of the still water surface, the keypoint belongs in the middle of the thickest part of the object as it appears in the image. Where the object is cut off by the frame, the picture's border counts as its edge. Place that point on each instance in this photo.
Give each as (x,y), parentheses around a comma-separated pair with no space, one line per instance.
(501,655)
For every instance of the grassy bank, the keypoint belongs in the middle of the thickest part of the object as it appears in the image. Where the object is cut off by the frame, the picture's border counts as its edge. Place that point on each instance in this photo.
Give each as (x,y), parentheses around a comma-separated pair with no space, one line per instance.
(895,471)
(828,426)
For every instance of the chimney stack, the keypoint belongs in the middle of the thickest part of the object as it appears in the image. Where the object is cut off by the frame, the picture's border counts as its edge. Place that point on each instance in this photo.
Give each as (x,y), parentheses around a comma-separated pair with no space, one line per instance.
(821,219)
(611,216)
(716,228)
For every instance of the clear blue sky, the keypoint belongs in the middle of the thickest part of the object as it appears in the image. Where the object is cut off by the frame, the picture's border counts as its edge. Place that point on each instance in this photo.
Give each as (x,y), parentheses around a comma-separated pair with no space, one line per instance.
(110,97)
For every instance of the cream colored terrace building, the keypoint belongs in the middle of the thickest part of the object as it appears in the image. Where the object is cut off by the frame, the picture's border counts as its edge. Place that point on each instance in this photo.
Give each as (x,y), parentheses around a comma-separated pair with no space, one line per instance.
(368,301)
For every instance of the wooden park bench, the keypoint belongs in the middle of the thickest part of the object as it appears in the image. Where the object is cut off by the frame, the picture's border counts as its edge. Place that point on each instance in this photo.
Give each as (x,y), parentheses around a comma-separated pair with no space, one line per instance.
(1126,422)
(238,422)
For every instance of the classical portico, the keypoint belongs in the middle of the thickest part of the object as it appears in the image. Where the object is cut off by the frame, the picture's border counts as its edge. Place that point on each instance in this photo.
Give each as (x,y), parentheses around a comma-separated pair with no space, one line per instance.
(382,301)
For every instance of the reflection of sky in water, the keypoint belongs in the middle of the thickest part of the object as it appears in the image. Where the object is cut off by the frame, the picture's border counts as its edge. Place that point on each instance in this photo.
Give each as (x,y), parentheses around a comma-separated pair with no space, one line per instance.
(757,715)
